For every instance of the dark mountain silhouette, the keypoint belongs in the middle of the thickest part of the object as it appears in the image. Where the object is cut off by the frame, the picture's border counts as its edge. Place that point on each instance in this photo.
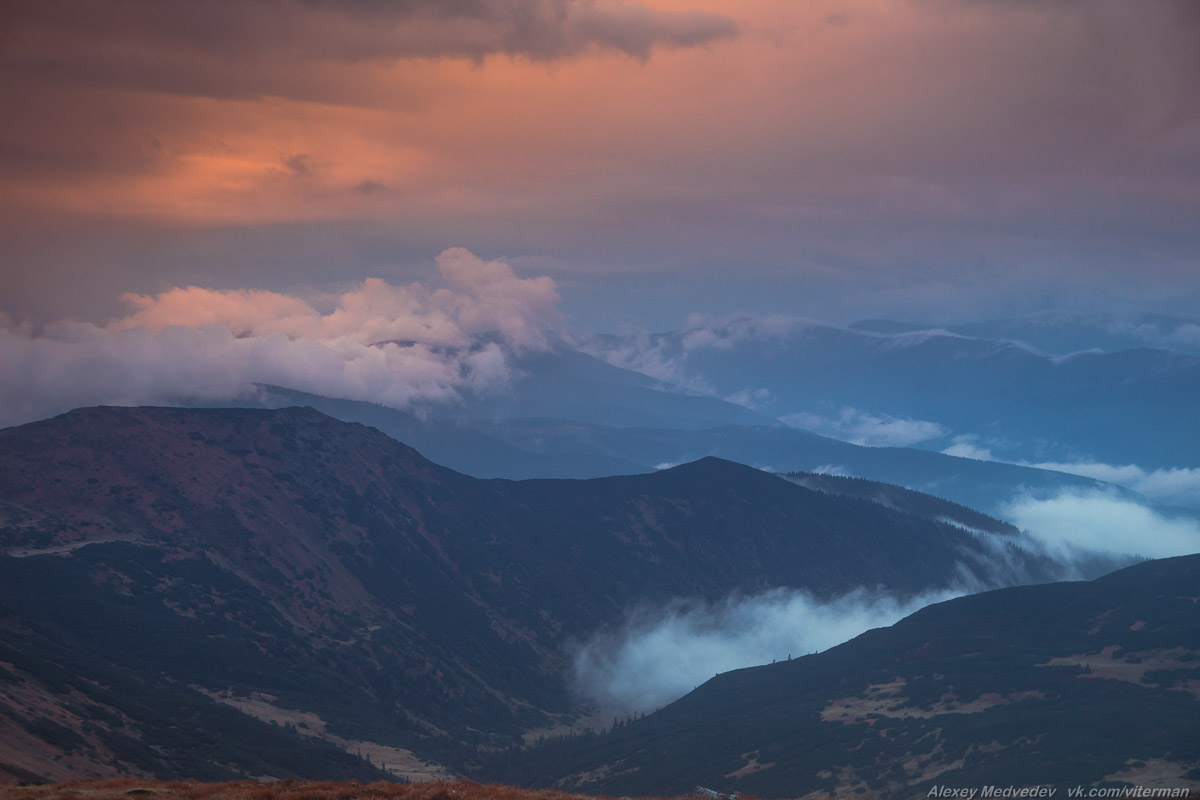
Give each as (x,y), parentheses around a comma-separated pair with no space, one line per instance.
(559,448)
(458,443)
(166,572)
(980,484)
(1063,684)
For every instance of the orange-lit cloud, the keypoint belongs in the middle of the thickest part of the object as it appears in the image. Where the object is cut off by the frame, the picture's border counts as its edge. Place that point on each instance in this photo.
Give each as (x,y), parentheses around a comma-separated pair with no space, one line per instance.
(881,139)
(208,101)
(401,346)
(482,297)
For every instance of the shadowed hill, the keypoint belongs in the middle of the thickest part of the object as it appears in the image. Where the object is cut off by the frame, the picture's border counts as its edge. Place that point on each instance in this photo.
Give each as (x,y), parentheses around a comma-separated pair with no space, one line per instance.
(303,570)
(506,447)
(1065,684)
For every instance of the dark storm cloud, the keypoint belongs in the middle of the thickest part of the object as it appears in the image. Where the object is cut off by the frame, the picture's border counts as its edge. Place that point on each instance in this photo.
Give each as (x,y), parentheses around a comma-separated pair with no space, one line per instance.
(299,165)
(206,48)
(370,187)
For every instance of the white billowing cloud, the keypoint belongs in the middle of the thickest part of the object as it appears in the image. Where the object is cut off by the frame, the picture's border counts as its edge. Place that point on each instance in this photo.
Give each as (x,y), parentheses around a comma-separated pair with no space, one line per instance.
(701,331)
(659,655)
(965,447)
(1175,486)
(864,428)
(490,297)
(751,398)
(243,312)
(484,297)
(1178,486)
(657,357)
(1185,335)
(666,357)
(395,345)
(1076,524)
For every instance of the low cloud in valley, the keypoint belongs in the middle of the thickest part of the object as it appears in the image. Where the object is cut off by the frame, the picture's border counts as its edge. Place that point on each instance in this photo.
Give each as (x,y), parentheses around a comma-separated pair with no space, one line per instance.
(659,654)
(1173,486)
(1076,525)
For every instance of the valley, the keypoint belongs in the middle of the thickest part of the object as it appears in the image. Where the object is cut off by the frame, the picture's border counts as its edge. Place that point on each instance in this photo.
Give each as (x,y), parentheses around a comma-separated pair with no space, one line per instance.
(554,399)
(216,558)
(278,586)
(1065,684)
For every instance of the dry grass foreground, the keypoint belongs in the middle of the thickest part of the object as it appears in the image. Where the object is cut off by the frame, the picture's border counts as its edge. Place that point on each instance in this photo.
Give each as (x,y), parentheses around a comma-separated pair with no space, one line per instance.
(135,789)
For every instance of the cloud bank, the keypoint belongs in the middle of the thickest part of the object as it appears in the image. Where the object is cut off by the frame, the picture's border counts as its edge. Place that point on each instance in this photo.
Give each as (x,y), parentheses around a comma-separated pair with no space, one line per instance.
(1177,486)
(666,356)
(966,446)
(864,428)
(657,655)
(400,346)
(1173,486)
(660,654)
(194,48)
(1072,526)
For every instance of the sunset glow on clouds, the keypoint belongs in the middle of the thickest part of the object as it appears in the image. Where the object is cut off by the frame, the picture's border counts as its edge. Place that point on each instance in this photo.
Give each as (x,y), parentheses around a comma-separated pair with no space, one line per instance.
(481,298)
(845,158)
(401,346)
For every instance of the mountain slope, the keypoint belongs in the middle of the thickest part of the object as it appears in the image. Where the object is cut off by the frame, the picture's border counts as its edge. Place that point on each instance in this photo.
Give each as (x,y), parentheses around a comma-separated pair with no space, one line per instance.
(299,568)
(1065,684)
(980,484)
(559,448)
(1130,406)
(570,384)
(457,443)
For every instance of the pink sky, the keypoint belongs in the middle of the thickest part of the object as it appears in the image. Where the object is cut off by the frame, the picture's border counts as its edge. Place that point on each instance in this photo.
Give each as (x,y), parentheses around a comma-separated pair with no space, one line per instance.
(909,157)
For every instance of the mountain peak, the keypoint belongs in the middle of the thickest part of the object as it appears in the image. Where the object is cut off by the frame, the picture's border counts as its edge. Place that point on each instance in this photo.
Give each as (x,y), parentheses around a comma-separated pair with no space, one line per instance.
(285,553)
(711,468)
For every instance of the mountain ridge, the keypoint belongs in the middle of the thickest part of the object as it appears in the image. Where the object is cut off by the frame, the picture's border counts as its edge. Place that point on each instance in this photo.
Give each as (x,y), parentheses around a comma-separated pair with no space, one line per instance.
(337,571)
(1062,684)
(523,448)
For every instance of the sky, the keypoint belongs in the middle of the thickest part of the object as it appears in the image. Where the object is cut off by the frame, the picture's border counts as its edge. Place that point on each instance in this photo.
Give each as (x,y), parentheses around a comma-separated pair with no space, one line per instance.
(929,160)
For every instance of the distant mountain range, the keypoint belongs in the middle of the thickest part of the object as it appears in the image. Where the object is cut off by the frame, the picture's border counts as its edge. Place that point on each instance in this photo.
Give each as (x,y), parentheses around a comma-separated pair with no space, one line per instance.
(878,400)
(887,383)
(173,579)
(1059,333)
(256,589)
(1059,685)
(521,448)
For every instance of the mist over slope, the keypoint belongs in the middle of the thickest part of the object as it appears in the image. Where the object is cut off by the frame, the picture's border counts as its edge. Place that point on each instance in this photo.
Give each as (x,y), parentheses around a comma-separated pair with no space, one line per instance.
(480,366)
(568,288)
(1063,685)
(573,594)
(321,568)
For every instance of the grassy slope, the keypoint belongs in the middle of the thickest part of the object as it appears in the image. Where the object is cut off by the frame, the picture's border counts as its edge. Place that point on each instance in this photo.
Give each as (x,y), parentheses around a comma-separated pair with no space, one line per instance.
(1062,683)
